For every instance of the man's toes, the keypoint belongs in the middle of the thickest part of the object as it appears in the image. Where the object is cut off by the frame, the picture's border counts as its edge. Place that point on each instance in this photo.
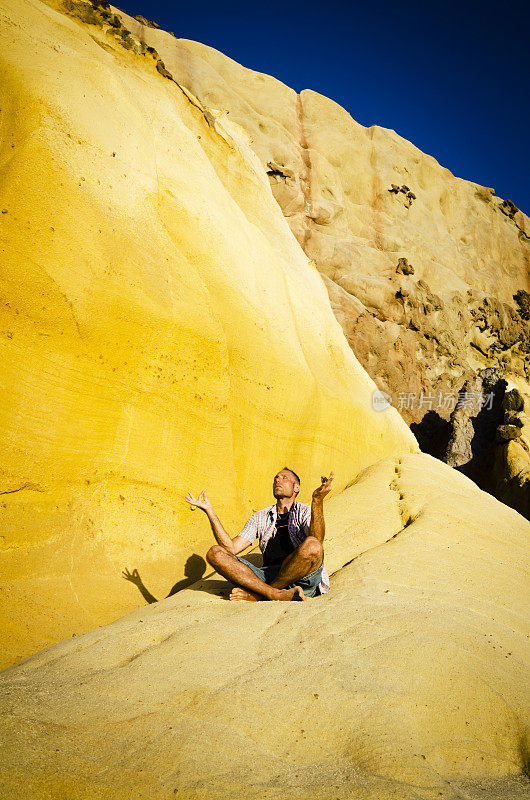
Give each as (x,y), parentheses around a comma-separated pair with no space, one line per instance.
(243,594)
(238,594)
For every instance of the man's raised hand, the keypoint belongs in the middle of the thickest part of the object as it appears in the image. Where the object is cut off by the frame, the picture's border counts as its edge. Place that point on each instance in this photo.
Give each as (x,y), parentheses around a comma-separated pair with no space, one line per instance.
(198,502)
(324,488)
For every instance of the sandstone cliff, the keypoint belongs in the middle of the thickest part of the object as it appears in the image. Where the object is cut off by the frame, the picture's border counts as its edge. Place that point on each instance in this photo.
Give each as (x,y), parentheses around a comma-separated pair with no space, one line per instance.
(360,199)
(428,274)
(162,330)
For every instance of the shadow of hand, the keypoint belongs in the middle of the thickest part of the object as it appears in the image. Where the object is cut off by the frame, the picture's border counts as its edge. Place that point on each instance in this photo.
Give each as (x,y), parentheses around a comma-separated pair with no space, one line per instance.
(133,576)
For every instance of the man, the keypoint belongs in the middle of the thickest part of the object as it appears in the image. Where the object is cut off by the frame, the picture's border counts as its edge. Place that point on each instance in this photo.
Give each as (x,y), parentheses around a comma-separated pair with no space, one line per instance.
(291,535)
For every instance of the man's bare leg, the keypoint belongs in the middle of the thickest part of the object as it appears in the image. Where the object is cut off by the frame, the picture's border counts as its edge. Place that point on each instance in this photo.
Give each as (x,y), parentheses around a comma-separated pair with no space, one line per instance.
(306,558)
(231,568)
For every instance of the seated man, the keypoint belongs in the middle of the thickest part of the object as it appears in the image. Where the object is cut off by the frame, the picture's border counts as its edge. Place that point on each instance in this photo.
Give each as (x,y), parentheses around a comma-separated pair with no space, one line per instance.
(290,536)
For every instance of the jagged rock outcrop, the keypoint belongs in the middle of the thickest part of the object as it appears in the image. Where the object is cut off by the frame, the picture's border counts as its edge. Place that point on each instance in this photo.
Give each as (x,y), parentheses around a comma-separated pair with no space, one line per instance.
(476,418)
(522,300)
(489,437)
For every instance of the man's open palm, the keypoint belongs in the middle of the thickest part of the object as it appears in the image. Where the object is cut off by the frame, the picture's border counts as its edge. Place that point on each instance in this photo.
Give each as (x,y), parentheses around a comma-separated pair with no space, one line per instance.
(324,488)
(199,502)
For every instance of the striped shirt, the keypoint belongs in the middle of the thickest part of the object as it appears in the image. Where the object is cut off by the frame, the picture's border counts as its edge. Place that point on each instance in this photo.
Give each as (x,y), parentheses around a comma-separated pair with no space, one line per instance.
(262,524)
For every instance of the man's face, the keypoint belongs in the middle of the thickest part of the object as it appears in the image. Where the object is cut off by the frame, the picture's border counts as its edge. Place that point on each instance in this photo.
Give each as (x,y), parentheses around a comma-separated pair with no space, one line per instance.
(285,485)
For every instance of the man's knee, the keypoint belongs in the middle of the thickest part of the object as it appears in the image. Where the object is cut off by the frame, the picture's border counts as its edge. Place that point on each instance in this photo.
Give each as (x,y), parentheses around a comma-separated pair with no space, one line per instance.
(214,554)
(312,546)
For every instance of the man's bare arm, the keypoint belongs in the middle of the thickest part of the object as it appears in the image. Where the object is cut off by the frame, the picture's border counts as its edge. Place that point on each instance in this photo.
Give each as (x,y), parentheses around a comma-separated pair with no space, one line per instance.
(235,545)
(317,527)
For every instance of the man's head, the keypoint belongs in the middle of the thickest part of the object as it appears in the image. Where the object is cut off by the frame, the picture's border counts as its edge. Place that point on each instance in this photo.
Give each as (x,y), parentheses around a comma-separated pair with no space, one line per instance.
(286,484)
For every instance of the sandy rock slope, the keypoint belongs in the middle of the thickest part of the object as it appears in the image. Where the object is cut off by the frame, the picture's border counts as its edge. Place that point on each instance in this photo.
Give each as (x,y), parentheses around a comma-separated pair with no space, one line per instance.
(408,680)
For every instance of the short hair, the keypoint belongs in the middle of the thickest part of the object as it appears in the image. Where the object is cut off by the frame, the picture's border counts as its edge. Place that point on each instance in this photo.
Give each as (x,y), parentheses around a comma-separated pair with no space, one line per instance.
(293,473)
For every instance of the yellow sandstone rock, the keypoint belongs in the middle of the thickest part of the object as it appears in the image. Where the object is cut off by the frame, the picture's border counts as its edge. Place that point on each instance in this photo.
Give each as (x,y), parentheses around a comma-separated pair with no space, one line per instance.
(161,328)
(407,681)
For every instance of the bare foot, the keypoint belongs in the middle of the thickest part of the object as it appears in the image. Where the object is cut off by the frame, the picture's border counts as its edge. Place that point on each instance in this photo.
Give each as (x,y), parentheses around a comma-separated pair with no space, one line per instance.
(238,593)
(244,594)
(291,594)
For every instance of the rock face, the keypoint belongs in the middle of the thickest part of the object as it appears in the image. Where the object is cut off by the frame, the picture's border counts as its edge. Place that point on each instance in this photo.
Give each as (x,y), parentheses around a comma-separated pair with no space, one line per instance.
(476,419)
(361,201)
(490,444)
(162,329)
(408,680)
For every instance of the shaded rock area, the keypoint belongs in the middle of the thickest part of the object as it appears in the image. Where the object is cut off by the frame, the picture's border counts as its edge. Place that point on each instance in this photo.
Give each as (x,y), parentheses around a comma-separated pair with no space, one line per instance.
(475,420)
(522,300)
(509,478)
(490,443)
(433,434)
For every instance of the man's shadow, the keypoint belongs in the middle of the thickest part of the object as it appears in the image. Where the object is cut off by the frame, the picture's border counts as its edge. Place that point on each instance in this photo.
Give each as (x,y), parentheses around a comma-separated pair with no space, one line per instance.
(194,570)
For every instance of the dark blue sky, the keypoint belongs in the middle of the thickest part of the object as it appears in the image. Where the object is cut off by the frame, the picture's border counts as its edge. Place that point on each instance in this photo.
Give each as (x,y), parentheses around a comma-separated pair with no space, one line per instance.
(453,78)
